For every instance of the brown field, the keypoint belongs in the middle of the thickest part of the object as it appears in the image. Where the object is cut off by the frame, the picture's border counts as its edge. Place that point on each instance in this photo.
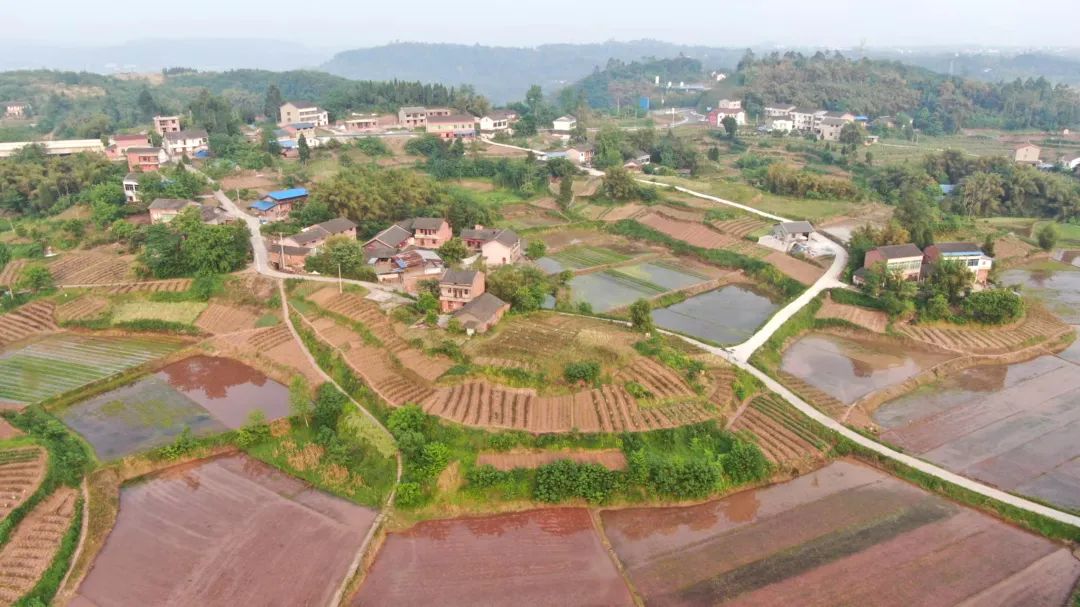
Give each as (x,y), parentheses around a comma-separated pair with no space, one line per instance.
(250,180)
(873,320)
(741,228)
(21,471)
(25,321)
(700,235)
(9,274)
(541,557)
(228,531)
(82,308)
(173,285)
(804,272)
(625,211)
(89,268)
(273,344)
(781,431)
(223,318)
(663,382)
(612,459)
(1037,326)
(8,431)
(1007,249)
(845,534)
(34,543)
(499,151)
(476,185)
(825,402)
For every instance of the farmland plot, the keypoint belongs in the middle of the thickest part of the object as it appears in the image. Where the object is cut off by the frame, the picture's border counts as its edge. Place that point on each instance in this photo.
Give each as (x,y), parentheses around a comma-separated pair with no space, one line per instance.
(21,471)
(620,287)
(587,257)
(228,531)
(845,534)
(541,557)
(11,272)
(25,321)
(89,268)
(60,363)
(179,312)
(34,543)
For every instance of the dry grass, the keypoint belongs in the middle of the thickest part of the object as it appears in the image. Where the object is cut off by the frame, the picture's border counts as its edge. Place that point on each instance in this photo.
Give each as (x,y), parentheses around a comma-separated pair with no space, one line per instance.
(179,312)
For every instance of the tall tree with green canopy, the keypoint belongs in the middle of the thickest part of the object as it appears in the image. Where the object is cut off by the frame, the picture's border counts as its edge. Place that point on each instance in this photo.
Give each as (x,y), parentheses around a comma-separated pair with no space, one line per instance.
(272,103)
(305,150)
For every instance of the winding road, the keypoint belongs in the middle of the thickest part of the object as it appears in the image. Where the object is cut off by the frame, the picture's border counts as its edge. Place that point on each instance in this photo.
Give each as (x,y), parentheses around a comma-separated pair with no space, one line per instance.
(738,355)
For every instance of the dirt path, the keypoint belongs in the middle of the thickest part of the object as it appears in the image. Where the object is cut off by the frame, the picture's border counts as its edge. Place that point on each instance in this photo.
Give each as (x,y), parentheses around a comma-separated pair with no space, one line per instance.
(739,411)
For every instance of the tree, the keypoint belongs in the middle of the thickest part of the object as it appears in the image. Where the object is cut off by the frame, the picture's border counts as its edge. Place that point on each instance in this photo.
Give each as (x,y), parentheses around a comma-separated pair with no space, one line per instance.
(641,316)
(300,398)
(981,193)
(994,307)
(714,154)
(341,254)
(731,126)
(305,150)
(619,184)
(536,249)
(453,251)
(5,255)
(566,193)
(1047,236)
(272,103)
(148,107)
(852,134)
(950,278)
(106,202)
(35,278)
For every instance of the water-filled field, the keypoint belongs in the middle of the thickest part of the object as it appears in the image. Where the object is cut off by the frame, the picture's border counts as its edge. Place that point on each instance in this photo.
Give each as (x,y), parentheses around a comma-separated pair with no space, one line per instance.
(1059,288)
(57,364)
(620,287)
(727,315)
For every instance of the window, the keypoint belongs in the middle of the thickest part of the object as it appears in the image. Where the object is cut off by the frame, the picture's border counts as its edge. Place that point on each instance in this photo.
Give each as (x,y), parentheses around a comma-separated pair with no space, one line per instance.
(973,263)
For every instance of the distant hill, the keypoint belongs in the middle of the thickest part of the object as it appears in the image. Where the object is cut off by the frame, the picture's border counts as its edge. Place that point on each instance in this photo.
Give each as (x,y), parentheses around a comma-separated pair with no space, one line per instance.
(993,67)
(504,73)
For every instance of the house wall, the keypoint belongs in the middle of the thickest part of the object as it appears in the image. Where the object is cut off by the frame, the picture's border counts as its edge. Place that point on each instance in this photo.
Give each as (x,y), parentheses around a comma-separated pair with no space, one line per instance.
(1027,154)
(166,124)
(435,239)
(496,253)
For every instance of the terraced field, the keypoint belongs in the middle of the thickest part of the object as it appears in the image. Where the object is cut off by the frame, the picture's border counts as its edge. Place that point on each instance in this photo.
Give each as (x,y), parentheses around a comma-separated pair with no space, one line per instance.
(588,257)
(823,401)
(872,320)
(26,321)
(174,285)
(21,471)
(223,318)
(60,363)
(9,274)
(783,433)
(661,381)
(1036,327)
(88,268)
(696,234)
(743,227)
(84,308)
(34,544)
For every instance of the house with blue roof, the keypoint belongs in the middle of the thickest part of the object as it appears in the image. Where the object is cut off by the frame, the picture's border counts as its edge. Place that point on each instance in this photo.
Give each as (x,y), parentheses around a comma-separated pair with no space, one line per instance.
(277,205)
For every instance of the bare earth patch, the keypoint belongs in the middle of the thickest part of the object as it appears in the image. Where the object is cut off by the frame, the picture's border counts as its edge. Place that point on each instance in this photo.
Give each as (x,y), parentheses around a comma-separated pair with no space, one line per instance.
(34,543)
(874,320)
(223,318)
(612,459)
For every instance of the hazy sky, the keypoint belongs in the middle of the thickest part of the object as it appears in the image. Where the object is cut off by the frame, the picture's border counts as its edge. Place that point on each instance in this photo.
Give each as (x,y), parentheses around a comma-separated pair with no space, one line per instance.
(356,23)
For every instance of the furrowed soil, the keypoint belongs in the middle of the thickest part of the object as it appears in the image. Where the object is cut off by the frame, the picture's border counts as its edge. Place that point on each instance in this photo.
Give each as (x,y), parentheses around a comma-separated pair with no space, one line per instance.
(21,471)
(612,459)
(873,320)
(844,534)
(229,531)
(34,543)
(541,557)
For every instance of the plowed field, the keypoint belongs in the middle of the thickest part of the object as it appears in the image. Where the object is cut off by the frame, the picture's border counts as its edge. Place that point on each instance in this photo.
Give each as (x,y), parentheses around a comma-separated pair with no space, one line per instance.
(843,535)
(9,274)
(229,531)
(873,320)
(34,544)
(83,308)
(612,459)
(782,432)
(696,234)
(542,557)
(223,318)
(21,471)
(174,285)
(25,321)
(88,268)
(1037,326)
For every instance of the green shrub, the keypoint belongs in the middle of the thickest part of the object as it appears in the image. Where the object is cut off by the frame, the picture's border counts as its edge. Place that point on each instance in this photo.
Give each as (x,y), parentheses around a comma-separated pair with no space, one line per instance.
(329,404)
(565,479)
(587,371)
(409,495)
(745,463)
(994,307)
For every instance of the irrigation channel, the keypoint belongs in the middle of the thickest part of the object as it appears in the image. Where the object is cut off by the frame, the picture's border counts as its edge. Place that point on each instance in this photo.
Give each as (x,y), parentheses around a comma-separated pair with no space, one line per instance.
(738,355)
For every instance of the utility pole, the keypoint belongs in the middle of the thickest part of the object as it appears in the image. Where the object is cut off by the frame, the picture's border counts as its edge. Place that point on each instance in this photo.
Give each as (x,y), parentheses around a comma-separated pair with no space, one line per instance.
(340,288)
(281,252)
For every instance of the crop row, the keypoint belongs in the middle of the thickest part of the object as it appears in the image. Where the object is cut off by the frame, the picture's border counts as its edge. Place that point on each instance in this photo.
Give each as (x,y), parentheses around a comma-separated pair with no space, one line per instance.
(587,257)
(634,282)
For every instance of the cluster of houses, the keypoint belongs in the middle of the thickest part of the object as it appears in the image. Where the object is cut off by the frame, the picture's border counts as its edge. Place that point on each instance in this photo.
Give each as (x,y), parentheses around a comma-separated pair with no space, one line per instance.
(15,109)
(915,264)
(826,125)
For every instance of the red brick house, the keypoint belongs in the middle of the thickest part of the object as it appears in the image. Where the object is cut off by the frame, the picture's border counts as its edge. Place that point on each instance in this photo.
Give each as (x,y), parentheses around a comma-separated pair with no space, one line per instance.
(428,232)
(145,159)
(291,252)
(498,246)
(459,287)
(482,313)
(907,259)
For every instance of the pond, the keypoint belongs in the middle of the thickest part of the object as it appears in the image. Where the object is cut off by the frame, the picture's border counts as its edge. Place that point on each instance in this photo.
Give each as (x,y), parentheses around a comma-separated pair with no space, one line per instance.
(204,393)
(550,265)
(617,288)
(848,368)
(1058,289)
(728,315)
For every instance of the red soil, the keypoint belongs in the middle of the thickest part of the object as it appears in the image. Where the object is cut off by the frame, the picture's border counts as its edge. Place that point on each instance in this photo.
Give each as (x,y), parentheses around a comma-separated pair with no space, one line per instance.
(611,459)
(542,557)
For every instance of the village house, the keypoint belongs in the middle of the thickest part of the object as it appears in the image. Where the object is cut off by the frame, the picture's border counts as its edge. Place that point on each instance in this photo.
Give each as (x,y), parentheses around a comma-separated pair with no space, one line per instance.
(459,287)
(387,243)
(164,210)
(1027,154)
(276,206)
(146,159)
(790,232)
(580,154)
(293,112)
(361,122)
(968,254)
(305,129)
(290,253)
(779,110)
(55,147)
(829,128)
(906,259)
(782,124)
(497,246)
(428,232)
(166,124)
(717,115)
(190,143)
(481,314)
(131,187)
(564,124)
(729,104)
(805,119)
(412,116)
(122,142)
(16,109)
(452,126)
(408,268)
(497,121)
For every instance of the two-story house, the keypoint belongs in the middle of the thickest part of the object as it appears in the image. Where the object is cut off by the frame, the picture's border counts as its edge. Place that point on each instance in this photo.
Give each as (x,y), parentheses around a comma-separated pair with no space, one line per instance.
(968,254)
(131,187)
(15,109)
(497,121)
(408,268)
(452,126)
(459,287)
(387,243)
(187,142)
(717,115)
(146,159)
(291,252)
(580,154)
(276,206)
(121,142)
(428,232)
(497,246)
(564,124)
(906,259)
(412,116)
(779,110)
(292,112)
(166,124)
(805,119)
(829,128)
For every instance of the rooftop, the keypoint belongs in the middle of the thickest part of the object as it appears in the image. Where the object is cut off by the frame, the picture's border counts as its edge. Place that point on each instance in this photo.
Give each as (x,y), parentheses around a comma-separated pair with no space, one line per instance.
(187,134)
(392,236)
(288,194)
(422,223)
(459,277)
(956,248)
(506,237)
(796,227)
(483,308)
(899,251)
(451,118)
(323,230)
(262,205)
(170,204)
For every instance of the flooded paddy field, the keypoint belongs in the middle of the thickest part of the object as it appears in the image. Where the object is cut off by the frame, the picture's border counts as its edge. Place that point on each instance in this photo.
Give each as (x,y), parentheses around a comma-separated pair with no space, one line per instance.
(60,363)
(228,531)
(617,288)
(1013,426)
(203,393)
(1058,288)
(848,368)
(846,534)
(541,557)
(725,316)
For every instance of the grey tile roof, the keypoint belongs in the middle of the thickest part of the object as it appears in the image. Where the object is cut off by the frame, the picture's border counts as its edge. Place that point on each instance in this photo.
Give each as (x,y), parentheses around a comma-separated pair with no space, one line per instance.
(459,277)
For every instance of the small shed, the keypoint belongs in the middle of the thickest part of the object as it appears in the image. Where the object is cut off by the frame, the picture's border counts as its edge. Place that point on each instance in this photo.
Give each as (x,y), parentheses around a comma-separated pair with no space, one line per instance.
(793,230)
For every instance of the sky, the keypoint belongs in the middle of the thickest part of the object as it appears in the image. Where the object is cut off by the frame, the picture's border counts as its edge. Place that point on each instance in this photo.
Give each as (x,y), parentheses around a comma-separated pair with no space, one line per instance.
(359,23)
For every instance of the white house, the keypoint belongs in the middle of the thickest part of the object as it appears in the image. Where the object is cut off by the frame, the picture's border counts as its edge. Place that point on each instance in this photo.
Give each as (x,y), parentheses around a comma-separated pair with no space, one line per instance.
(729,104)
(496,121)
(131,187)
(293,112)
(779,110)
(564,124)
(188,141)
(783,124)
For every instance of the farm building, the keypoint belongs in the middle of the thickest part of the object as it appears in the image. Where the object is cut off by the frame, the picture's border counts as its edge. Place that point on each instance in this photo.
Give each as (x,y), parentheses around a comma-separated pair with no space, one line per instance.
(408,268)
(428,232)
(904,258)
(498,246)
(969,254)
(458,287)
(482,313)
(387,243)
(792,231)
